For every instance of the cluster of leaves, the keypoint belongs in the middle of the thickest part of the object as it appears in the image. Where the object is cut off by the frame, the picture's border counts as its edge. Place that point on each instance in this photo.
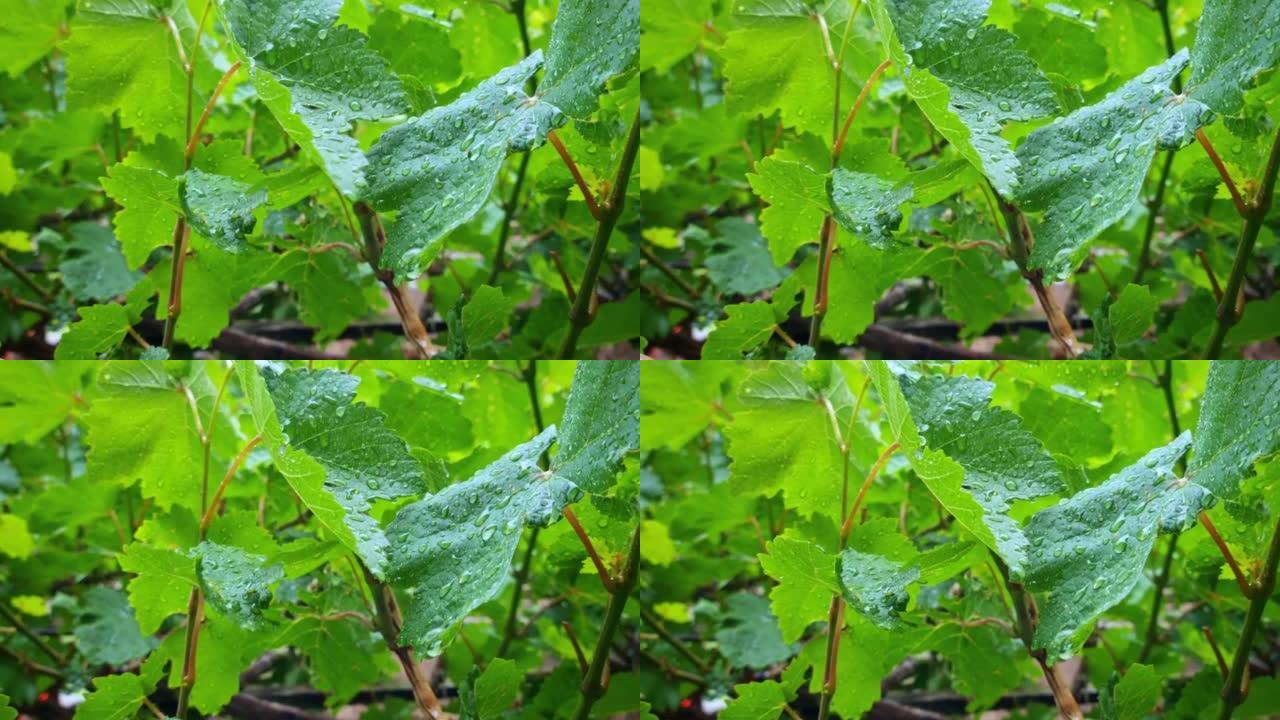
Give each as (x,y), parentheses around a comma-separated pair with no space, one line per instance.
(831,538)
(905,172)
(294,168)
(367,518)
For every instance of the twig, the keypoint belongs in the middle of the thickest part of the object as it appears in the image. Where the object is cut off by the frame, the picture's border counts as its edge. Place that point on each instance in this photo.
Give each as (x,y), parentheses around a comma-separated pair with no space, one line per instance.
(592,686)
(1226,553)
(587,194)
(1241,206)
(605,578)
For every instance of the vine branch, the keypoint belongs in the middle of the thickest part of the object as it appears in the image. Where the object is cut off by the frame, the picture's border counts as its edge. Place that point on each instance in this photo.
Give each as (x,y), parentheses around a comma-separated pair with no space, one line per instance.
(593,687)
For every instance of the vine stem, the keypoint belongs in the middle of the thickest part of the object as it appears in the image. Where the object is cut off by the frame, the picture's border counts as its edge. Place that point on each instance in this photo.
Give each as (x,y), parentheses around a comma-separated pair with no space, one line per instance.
(1254,215)
(207,520)
(1025,611)
(605,579)
(1020,241)
(390,623)
(374,239)
(593,688)
(582,313)
(45,648)
(827,235)
(655,622)
(587,194)
(530,376)
(1233,692)
(1162,580)
(24,278)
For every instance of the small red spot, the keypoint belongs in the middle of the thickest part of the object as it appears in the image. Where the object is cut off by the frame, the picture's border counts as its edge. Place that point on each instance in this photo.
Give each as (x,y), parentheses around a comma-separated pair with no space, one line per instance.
(686,703)
(44,697)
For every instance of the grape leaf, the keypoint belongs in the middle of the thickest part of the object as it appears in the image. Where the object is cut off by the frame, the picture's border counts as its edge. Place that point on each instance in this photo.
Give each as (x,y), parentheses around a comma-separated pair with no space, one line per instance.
(438,169)
(976,459)
(31,29)
(1133,696)
(6,711)
(342,655)
(986,663)
(219,207)
(591,41)
(474,526)
(601,424)
(114,697)
(875,586)
(967,77)
(485,315)
(16,540)
(317,79)
(149,207)
(142,427)
(1228,54)
(749,634)
(106,631)
(783,437)
(363,460)
(163,584)
(327,285)
(236,583)
(797,203)
(806,577)
(94,269)
(1237,426)
(497,688)
(672,29)
(100,330)
(866,205)
(1132,313)
(1084,172)
(740,263)
(756,701)
(1087,552)
(746,326)
(122,55)
(800,88)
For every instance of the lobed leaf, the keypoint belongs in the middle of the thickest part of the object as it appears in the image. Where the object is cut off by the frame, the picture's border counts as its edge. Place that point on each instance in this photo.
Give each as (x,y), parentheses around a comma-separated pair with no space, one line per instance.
(866,205)
(220,208)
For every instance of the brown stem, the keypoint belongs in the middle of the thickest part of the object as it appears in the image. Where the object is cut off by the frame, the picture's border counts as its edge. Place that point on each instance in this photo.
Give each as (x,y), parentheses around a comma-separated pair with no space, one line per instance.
(374,240)
(605,578)
(390,624)
(24,278)
(576,173)
(1208,270)
(1025,610)
(35,639)
(1217,651)
(1241,207)
(847,527)
(577,648)
(826,249)
(180,237)
(226,480)
(208,109)
(1236,686)
(853,111)
(656,623)
(1226,553)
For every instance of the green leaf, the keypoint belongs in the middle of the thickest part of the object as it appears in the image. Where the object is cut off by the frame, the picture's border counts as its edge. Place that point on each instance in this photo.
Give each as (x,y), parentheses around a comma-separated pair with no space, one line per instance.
(31,29)
(671,29)
(94,269)
(749,634)
(740,263)
(591,41)
(472,526)
(1229,54)
(1237,427)
(164,581)
(1085,172)
(1087,552)
(328,288)
(6,711)
(756,701)
(236,583)
(99,331)
(1132,313)
(220,208)
(114,697)
(806,577)
(437,170)
(363,460)
(601,424)
(214,283)
(150,207)
(746,326)
(142,427)
(15,540)
(801,88)
(866,205)
(485,315)
(968,78)
(343,657)
(1134,696)
(106,631)
(875,586)
(797,203)
(973,454)
(985,662)
(497,688)
(783,437)
(122,57)
(317,79)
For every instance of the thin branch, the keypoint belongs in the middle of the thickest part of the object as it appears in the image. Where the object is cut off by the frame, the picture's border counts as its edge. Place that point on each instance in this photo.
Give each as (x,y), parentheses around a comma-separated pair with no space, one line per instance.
(24,278)
(587,194)
(853,111)
(1226,553)
(207,520)
(684,285)
(605,578)
(57,657)
(847,527)
(1217,651)
(1241,207)
(208,109)
(655,622)
(577,648)
(593,685)
(1208,270)
(1234,689)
